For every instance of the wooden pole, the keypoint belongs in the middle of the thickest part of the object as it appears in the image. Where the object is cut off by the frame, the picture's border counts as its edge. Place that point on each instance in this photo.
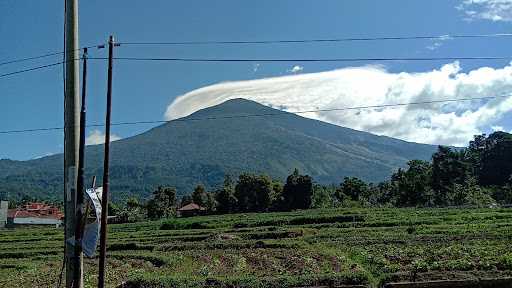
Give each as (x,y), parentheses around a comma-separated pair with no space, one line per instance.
(104,196)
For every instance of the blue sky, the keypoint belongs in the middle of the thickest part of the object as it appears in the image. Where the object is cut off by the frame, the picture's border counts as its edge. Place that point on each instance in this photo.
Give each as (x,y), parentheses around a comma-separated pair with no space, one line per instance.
(143,91)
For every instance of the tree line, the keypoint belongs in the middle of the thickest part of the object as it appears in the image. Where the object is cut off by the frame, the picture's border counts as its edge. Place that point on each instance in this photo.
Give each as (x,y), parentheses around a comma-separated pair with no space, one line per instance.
(249,193)
(479,175)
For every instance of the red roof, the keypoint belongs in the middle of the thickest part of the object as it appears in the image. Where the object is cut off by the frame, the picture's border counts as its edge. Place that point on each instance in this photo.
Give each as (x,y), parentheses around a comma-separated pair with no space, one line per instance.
(191,207)
(13,213)
(35,210)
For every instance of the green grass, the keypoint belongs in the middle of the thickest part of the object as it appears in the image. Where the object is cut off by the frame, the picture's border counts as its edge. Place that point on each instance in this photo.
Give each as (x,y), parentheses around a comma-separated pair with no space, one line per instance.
(313,247)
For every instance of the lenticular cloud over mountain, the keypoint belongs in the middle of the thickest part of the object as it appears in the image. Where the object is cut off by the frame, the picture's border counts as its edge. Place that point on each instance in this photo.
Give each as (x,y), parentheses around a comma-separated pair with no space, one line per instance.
(452,123)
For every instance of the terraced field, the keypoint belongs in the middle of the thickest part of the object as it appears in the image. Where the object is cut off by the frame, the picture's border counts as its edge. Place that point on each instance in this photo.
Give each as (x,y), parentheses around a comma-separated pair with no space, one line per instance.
(305,248)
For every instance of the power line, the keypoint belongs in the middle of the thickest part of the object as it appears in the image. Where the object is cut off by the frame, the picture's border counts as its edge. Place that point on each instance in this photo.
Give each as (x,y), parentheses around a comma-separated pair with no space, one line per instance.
(36,68)
(210,60)
(404,59)
(43,56)
(30,58)
(31,69)
(281,113)
(349,39)
(287,41)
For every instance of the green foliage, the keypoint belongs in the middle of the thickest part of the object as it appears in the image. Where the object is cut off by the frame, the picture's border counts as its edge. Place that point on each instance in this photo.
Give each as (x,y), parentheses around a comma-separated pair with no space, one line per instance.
(503,194)
(505,262)
(449,167)
(132,212)
(496,160)
(211,203)
(199,196)
(175,224)
(225,197)
(253,193)
(163,203)
(470,194)
(114,209)
(323,197)
(353,188)
(414,184)
(297,191)
(384,194)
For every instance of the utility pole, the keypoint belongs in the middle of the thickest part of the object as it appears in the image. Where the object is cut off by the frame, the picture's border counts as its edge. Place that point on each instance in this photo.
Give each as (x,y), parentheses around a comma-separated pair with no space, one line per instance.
(78,274)
(104,195)
(71,141)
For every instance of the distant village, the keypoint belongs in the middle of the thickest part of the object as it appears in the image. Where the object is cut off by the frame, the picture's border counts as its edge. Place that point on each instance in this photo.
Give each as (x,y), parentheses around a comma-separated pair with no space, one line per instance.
(34,213)
(38,213)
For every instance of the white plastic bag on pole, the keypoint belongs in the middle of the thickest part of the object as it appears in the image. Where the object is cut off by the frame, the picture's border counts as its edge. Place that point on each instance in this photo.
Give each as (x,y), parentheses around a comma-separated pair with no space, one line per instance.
(92,230)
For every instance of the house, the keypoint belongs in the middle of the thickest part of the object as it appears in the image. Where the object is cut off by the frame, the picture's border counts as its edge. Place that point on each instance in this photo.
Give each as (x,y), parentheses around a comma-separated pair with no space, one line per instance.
(35,214)
(191,209)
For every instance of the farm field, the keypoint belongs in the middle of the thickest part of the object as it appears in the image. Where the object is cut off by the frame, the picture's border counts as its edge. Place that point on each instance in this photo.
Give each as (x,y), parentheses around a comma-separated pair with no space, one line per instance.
(311,247)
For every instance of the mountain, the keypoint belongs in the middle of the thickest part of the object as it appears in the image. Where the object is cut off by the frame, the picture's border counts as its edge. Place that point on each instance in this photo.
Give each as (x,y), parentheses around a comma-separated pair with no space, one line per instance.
(204,146)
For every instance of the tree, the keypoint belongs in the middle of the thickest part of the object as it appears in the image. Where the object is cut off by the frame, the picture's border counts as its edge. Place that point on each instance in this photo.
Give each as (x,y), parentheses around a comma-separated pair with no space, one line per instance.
(297,191)
(470,194)
(473,153)
(114,209)
(503,194)
(496,160)
(413,186)
(276,197)
(163,203)
(132,212)
(449,167)
(323,196)
(383,194)
(226,200)
(132,203)
(352,188)
(211,203)
(253,192)
(199,196)
(507,193)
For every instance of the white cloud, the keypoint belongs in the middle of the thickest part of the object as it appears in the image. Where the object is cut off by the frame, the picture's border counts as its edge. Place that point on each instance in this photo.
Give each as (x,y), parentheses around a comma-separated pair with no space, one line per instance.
(43,155)
(452,123)
(493,10)
(497,128)
(98,137)
(434,46)
(438,43)
(295,69)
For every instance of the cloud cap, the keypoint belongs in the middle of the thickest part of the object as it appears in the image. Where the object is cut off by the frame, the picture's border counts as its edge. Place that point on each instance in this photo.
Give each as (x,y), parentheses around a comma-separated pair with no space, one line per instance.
(452,123)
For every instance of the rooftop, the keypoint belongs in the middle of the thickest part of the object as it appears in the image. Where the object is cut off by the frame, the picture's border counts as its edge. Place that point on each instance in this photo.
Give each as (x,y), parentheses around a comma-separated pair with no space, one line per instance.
(191,207)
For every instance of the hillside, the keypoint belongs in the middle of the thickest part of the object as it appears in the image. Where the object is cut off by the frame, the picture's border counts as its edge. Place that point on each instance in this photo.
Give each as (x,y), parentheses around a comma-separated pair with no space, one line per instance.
(202,147)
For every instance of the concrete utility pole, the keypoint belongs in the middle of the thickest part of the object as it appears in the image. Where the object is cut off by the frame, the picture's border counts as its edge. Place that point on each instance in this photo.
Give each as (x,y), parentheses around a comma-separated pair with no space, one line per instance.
(79,219)
(71,137)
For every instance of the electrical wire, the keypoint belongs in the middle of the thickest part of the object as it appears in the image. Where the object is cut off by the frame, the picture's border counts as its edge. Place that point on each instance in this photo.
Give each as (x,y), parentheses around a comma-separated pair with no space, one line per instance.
(207,60)
(281,113)
(38,68)
(405,59)
(31,69)
(349,39)
(45,55)
(286,41)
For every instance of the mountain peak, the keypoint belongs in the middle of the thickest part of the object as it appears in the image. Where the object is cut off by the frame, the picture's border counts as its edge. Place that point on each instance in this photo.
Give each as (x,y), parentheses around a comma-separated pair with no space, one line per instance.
(236,106)
(185,153)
